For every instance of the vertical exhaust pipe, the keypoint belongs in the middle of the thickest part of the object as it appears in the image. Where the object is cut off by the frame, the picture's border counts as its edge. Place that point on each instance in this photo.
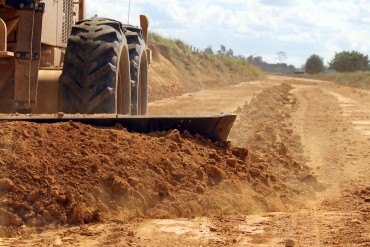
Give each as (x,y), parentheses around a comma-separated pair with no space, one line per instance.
(144,24)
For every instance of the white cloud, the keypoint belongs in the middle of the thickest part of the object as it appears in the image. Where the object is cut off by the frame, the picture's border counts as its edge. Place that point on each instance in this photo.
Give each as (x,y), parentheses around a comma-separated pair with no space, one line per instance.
(299,27)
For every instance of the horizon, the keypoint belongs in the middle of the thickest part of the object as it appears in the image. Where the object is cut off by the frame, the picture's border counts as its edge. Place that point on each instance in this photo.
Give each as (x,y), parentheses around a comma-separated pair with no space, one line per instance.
(257,27)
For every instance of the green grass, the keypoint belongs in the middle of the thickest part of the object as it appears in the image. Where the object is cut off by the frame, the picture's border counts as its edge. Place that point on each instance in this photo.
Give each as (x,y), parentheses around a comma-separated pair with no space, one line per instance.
(355,79)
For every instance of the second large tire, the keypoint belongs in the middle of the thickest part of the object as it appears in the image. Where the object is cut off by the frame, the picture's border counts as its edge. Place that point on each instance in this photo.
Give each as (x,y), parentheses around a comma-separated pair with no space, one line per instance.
(138,71)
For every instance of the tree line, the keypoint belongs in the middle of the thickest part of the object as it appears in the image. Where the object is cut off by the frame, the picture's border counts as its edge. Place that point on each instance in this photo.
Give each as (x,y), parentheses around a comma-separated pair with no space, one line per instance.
(223,51)
(280,67)
(344,61)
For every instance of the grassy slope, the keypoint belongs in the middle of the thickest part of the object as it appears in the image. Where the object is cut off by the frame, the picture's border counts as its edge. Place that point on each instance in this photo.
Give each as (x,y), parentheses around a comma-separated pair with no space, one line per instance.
(355,79)
(176,69)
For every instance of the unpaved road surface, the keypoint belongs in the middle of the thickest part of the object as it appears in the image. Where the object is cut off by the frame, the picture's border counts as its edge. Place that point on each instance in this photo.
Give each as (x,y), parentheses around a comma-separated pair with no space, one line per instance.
(334,125)
(325,127)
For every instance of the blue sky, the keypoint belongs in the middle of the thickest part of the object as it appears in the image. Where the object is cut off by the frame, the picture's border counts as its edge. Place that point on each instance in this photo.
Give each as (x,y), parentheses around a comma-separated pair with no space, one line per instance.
(259,27)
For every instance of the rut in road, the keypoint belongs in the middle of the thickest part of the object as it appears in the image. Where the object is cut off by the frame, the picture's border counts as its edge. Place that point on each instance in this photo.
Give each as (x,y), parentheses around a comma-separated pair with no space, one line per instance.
(339,154)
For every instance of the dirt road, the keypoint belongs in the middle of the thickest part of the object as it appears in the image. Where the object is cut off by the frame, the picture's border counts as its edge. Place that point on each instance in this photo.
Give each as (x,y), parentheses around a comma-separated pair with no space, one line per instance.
(334,125)
(326,126)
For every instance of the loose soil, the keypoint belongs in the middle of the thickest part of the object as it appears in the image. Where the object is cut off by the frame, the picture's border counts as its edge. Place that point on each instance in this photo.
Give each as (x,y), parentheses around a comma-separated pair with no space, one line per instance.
(71,173)
(304,180)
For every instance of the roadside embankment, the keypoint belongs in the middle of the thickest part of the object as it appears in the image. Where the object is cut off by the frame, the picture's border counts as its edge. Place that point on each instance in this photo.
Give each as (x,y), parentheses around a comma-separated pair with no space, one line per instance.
(177,69)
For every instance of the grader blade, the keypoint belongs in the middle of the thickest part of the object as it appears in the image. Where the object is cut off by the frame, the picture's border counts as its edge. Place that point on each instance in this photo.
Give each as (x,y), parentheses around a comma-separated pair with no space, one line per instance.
(216,128)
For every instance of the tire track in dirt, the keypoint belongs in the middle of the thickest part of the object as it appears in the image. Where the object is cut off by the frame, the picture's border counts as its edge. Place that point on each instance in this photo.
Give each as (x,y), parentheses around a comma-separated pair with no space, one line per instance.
(339,154)
(359,118)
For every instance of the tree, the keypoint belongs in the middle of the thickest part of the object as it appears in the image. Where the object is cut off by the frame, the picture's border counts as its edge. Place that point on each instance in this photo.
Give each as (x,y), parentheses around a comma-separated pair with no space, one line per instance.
(281,56)
(222,50)
(314,64)
(292,67)
(346,61)
(243,58)
(230,53)
(209,50)
(255,60)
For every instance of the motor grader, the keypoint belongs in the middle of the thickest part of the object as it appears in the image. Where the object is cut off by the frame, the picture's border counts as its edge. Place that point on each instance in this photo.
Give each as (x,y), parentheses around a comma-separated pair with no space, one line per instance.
(56,65)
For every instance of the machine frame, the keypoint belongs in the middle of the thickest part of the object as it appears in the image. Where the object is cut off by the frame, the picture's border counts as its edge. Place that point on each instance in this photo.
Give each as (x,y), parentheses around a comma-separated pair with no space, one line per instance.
(33,41)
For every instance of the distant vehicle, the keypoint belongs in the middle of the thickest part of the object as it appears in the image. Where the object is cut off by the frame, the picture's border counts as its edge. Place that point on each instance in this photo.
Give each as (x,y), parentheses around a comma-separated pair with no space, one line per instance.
(299,71)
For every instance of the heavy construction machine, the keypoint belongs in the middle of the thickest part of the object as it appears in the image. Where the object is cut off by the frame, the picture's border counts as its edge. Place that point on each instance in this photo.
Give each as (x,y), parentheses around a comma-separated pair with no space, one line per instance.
(57,66)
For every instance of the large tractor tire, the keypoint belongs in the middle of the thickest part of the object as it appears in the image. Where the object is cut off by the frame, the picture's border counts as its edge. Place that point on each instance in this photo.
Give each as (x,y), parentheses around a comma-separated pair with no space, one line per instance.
(96,72)
(138,71)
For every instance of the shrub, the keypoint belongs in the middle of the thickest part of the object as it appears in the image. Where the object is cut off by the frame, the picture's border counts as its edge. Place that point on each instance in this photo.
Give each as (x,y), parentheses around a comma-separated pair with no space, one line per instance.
(314,64)
(346,61)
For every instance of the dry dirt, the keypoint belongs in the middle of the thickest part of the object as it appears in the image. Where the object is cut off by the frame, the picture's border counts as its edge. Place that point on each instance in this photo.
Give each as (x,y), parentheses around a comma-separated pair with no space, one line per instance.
(304,181)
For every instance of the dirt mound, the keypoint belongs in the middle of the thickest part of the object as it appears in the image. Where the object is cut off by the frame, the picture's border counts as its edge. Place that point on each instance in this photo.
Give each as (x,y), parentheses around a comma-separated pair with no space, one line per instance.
(265,128)
(70,173)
